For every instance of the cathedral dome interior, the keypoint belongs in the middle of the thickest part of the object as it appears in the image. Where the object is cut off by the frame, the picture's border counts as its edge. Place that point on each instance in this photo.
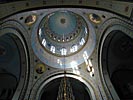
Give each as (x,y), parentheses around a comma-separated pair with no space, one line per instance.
(66,50)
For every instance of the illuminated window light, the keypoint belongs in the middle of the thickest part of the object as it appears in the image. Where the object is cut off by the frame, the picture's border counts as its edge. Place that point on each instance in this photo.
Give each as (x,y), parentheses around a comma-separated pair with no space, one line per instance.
(92,69)
(59,62)
(85,59)
(91,74)
(74,65)
(88,68)
(86,30)
(82,41)
(74,48)
(85,56)
(44,42)
(63,51)
(40,32)
(90,63)
(52,49)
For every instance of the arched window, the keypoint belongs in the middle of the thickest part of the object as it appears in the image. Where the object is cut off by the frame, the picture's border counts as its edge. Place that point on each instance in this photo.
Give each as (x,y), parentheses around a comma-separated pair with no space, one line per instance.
(74,48)
(63,51)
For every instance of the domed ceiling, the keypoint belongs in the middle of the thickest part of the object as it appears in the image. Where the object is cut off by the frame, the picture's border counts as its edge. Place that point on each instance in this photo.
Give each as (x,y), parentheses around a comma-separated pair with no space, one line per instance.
(61,37)
(63,33)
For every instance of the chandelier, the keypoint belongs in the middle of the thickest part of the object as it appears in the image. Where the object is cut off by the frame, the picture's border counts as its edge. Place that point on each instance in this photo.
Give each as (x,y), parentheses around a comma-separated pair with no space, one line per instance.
(65,90)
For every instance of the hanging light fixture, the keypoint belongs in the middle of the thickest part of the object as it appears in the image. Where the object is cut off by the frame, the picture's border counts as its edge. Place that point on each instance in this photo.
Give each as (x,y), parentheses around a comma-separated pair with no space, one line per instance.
(65,90)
